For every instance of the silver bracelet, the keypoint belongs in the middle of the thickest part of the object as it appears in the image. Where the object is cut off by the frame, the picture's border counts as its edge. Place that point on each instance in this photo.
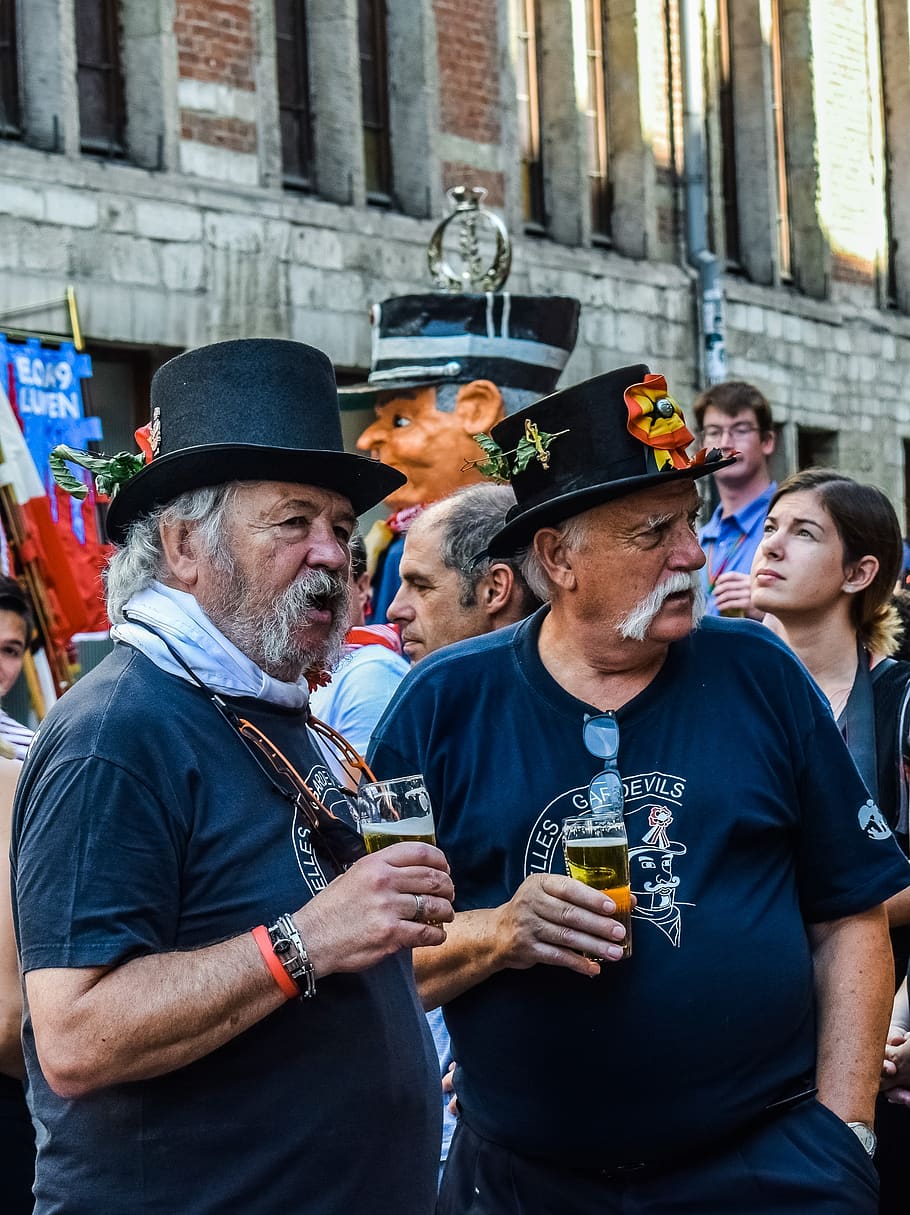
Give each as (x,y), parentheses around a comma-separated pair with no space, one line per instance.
(291,953)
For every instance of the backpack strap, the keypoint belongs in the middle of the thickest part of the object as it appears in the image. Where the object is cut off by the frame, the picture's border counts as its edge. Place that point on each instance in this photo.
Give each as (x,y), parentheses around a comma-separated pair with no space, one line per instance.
(891,698)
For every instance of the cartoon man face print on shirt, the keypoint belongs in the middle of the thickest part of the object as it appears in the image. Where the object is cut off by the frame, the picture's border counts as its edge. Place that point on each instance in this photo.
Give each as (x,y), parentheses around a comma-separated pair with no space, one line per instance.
(652,853)
(651,875)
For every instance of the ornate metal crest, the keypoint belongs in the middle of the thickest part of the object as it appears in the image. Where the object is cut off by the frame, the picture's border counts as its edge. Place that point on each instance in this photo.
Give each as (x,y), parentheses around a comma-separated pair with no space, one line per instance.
(473,276)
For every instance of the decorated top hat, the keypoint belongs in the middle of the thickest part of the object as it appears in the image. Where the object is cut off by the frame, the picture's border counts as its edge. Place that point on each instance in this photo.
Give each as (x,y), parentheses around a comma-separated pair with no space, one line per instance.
(247,410)
(599,440)
(517,341)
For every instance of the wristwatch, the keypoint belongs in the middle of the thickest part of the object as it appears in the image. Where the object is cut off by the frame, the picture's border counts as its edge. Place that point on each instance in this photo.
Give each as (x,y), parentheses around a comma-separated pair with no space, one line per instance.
(865,1135)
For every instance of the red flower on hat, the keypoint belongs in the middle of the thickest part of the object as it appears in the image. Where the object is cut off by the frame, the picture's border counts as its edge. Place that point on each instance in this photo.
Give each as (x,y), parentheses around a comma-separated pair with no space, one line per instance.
(148,437)
(143,443)
(656,420)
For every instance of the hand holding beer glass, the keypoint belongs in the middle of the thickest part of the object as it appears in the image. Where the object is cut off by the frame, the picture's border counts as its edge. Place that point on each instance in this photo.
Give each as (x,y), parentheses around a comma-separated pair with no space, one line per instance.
(597,853)
(395,812)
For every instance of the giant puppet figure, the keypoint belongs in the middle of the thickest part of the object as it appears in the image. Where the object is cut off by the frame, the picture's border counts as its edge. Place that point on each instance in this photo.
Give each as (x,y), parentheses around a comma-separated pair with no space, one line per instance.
(446,366)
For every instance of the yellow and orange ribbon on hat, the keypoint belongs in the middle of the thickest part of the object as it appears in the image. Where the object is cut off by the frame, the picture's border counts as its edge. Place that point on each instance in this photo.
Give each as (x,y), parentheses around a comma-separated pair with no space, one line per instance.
(656,420)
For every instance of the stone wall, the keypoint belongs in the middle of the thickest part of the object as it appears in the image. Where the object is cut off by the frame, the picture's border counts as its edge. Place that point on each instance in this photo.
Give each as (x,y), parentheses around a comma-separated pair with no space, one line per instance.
(200,241)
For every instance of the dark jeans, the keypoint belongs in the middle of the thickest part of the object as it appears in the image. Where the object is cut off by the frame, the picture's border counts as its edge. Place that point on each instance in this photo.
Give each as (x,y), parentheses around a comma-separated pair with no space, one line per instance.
(17,1150)
(804,1161)
(892,1124)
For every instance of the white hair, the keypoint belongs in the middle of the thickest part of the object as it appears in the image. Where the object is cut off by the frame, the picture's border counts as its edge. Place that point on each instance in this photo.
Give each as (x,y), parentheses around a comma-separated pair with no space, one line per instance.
(140,560)
(574,532)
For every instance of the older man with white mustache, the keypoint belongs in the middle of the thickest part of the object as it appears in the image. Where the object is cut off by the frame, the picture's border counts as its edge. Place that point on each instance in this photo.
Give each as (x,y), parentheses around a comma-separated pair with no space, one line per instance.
(682,1078)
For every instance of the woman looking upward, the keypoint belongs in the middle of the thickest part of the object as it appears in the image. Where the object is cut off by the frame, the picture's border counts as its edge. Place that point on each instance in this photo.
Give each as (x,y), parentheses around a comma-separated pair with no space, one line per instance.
(824,572)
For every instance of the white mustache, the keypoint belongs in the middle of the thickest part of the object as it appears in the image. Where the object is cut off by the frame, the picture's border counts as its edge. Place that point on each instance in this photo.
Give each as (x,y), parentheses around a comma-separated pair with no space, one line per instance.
(634,625)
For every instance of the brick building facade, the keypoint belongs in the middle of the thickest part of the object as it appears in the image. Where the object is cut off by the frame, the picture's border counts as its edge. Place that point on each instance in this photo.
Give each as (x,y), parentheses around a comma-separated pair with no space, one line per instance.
(202,169)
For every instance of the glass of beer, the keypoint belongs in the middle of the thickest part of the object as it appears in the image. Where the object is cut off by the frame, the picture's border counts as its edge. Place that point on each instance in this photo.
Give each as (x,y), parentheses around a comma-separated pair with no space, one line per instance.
(395,812)
(597,853)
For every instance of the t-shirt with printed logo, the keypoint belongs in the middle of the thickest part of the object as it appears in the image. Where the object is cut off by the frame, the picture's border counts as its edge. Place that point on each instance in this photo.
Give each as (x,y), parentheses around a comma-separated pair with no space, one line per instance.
(746,820)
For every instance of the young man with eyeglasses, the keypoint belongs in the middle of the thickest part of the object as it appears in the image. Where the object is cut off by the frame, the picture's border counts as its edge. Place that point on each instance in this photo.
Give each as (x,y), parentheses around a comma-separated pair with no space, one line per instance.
(735,414)
(684,1078)
(221,1011)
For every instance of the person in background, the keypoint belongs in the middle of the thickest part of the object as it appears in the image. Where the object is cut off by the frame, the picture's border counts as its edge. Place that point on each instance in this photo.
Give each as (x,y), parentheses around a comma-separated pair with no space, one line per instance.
(824,571)
(17,1135)
(370,669)
(450,589)
(16,627)
(735,414)
(895,1083)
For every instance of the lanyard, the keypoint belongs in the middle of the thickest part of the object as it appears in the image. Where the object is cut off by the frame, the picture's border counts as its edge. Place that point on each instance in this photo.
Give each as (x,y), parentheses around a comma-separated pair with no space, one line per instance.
(857,722)
(731,552)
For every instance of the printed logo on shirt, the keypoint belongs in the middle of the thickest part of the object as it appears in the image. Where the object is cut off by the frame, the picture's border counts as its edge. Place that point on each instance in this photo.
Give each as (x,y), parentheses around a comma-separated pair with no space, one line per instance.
(308,861)
(872,822)
(653,801)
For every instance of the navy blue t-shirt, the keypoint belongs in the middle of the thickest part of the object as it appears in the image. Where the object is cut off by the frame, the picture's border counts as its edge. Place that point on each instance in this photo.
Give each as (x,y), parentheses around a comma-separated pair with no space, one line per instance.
(746,819)
(143,826)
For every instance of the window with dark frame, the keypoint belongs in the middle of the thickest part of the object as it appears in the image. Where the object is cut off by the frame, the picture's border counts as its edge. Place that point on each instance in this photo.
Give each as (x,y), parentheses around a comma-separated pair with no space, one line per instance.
(99,78)
(295,118)
(728,137)
(784,235)
(527,74)
(10,104)
(596,118)
(374,92)
(816,448)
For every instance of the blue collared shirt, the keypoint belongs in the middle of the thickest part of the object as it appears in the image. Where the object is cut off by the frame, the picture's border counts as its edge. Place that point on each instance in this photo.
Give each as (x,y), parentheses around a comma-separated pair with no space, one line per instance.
(730,541)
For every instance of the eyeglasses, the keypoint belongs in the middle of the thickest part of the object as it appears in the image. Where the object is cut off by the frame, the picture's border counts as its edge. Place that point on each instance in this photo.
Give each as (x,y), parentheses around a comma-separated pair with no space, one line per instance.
(739,430)
(350,758)
(601,738)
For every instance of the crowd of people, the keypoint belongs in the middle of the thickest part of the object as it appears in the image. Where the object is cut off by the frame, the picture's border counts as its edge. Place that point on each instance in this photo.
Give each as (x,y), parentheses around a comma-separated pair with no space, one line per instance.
(230,1006)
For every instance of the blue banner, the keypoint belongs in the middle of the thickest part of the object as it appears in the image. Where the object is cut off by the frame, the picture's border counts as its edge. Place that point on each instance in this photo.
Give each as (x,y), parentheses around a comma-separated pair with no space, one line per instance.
(47,385)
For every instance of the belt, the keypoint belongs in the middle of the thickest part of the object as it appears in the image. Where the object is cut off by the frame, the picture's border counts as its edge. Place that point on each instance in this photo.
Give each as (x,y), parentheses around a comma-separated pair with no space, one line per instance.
(641,1170)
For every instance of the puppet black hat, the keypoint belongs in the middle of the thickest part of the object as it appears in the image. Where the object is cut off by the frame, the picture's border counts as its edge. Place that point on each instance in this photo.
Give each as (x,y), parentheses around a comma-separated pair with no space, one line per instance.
(247,410)
(517,341)
(591,443)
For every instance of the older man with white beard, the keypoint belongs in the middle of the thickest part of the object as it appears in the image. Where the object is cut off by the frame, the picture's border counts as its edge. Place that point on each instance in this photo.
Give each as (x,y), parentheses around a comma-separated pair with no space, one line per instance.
(682,1078)
(221,1007)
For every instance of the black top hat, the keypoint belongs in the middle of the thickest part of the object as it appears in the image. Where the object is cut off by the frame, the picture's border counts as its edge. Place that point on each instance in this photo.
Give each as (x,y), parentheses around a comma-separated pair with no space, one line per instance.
(517,341)
(247,410)
(622,432)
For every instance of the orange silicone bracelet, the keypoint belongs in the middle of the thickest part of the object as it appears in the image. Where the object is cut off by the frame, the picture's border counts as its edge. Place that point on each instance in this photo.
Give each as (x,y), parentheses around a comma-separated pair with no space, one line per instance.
(279,974)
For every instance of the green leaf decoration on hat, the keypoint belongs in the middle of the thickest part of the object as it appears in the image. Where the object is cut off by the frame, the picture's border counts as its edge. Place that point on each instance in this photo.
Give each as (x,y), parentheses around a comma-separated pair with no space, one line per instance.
(496,466)
(534,445)
(110,471)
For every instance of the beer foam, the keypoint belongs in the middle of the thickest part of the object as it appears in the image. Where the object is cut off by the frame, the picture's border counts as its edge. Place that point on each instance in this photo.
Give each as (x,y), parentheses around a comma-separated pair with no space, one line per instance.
(595,841)
(404,826)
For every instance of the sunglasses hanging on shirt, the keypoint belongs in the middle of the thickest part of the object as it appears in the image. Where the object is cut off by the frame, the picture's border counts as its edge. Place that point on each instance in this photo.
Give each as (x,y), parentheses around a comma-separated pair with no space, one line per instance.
(339,843)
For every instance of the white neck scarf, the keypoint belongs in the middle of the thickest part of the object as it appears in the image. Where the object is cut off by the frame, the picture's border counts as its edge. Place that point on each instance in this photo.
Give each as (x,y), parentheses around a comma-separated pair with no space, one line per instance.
(217,661)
